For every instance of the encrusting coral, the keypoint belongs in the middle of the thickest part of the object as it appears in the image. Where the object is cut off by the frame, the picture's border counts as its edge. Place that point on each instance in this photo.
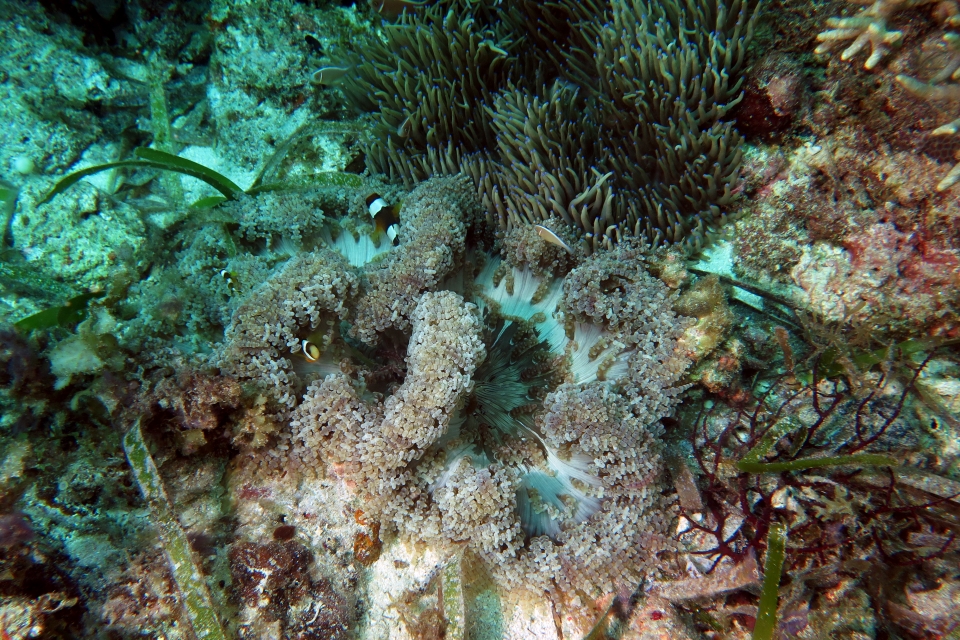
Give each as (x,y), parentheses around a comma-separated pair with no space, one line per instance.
(566,114)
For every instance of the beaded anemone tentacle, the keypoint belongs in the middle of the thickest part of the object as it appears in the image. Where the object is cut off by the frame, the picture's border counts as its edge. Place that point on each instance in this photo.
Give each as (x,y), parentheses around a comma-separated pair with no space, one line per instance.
(525,425)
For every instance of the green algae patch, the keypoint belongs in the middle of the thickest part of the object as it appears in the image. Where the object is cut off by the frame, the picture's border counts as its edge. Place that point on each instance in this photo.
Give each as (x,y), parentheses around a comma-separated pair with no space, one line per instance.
(766,623)
(26,280)
(8,204)
(208,203)
(186,572)
(313,181)
(833,363)
(453,600)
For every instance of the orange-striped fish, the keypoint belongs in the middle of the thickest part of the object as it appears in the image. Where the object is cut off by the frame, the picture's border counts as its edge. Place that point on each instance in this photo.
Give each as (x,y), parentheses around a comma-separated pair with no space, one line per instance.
(386,218)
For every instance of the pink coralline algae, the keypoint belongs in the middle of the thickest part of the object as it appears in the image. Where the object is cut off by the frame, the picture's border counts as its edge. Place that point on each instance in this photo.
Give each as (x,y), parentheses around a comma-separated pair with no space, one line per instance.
(885,271)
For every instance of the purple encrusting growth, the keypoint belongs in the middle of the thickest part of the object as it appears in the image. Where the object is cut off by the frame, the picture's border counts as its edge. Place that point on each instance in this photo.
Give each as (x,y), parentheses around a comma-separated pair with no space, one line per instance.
(14,529)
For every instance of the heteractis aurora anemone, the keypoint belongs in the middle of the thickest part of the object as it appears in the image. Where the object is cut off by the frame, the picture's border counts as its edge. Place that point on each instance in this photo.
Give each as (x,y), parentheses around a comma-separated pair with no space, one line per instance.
(522,419)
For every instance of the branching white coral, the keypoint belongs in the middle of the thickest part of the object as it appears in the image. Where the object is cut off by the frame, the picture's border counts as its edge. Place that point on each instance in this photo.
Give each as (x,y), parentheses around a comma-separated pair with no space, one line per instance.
(869,28)
(949,93)
(951,70)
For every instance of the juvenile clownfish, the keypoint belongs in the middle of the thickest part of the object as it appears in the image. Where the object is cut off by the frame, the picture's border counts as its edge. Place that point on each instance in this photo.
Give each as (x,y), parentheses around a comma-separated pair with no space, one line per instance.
(230,278)
(315,356)
(386,218)
(552,238)
(311,351)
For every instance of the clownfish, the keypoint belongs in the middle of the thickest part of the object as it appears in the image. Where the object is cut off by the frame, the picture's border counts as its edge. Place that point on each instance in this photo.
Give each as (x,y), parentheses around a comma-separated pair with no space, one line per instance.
(313,359)
(231,279)
(311,351)
(317,354)
(386,218)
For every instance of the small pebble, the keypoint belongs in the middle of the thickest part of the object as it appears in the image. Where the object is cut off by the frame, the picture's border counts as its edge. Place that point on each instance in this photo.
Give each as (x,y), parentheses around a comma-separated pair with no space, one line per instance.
(23,165)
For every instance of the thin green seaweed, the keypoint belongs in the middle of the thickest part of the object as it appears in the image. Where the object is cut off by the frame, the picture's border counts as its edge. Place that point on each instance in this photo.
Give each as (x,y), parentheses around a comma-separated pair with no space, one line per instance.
(153,159)
(8,204)
(859,460)
(751,462)
(313,181)
(766,623)
(218,181)
(75,177)
(186,572)
(830,366)
(156,159)
(599,630)
(273,162)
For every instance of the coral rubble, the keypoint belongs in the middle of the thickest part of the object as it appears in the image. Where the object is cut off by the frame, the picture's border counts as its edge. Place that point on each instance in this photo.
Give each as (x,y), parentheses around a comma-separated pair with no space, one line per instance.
(936,91)
(870,27)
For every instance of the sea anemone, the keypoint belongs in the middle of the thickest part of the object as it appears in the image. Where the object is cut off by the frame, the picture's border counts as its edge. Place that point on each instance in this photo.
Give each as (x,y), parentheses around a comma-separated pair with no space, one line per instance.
(507,380)
(521,425)
(608,115)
